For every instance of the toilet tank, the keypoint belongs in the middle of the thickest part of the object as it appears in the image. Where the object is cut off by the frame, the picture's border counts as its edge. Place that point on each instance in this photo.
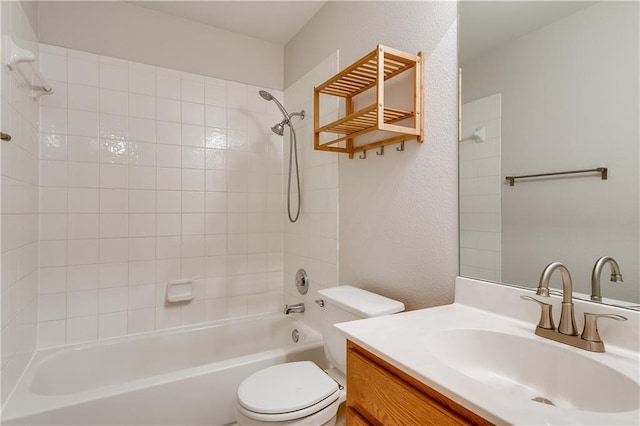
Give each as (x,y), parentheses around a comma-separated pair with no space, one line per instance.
(346,303)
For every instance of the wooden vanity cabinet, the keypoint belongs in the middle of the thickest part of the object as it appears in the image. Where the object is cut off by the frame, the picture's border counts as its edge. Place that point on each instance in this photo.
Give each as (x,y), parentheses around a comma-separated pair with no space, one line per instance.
(380,394)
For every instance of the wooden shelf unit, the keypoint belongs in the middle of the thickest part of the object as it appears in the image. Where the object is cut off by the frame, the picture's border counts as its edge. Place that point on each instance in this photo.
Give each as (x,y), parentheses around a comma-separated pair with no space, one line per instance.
(370,72)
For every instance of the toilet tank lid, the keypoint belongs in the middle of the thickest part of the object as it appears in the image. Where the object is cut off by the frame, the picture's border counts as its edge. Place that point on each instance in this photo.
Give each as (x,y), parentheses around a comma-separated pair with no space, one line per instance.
(361,302)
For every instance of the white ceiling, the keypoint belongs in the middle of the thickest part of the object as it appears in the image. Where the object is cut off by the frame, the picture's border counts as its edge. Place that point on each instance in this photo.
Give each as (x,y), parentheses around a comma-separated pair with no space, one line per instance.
(274,21)
(485,25)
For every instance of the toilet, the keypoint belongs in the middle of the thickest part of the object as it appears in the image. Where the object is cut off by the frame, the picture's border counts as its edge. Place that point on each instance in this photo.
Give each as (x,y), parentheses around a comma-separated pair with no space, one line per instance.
(301,393)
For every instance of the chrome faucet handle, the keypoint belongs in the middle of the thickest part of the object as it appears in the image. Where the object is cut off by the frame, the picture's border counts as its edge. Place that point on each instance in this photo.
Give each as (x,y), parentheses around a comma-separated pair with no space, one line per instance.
(546,313)
(590,331)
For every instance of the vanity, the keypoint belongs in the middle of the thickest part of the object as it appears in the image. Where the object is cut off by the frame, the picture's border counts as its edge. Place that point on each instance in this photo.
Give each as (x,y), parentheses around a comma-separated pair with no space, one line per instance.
(478,361)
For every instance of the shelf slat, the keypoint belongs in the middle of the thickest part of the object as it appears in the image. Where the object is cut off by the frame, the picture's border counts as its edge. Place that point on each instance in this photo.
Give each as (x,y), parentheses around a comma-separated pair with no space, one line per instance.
(365,119)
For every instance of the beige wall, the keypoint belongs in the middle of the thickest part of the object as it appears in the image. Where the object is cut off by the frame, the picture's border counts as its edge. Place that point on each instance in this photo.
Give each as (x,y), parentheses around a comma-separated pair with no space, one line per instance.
(131,32)
(398,227)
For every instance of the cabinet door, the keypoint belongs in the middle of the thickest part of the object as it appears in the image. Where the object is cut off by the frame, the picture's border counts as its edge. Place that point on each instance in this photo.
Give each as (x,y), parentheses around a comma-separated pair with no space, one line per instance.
(384,399)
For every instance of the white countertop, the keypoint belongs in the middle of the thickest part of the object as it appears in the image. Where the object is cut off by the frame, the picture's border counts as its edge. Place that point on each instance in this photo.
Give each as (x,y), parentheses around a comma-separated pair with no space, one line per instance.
(402,340)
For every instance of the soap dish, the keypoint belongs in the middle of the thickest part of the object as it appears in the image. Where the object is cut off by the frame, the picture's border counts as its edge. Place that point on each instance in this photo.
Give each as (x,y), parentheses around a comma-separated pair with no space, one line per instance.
(180,291)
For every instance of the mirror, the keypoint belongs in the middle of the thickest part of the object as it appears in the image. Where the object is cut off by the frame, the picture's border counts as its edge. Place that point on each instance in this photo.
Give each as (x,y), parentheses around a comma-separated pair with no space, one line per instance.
(550,87)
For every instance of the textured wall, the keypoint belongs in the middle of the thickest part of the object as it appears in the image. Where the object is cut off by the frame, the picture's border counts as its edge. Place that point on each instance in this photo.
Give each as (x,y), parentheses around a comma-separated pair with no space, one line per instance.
(398,227)
(569,102)
(131,32)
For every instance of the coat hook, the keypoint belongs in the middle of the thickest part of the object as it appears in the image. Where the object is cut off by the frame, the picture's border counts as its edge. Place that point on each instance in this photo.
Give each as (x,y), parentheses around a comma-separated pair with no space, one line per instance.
(363,155)
(381,152)
(401,147)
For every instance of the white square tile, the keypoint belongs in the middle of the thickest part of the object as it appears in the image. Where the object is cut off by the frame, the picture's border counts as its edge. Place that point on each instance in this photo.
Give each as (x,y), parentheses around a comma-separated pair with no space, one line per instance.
(114,151)
(53,253)
(168,224)
(81,71)
(236,95)
(142,296)
(168,155)
(193,202)
(114,126)
(113,299)
(112,325)
(114,225)
(142,177)
(82,303)
(167,86)
(114,77)
(141,320)
(192,313)
(216,117)
(168,110)
(114,201)
(83,149)
(168,247)
(192,135)
(51,333)
(81,226)
(142,129)
(54,66)
(53,280)
(193,157)
(114,102)
(52,307)
(216,94)
(216,159)
(168,178)
(114,176)
(114,250)
(59,96)
(83,175)
(82,329)
(53,226)
(169,202)
(83,123)
(53,147)
(192,246)
(82,200)
(142,249)
(81,97)
(216,245)
(53,120)
(142,79)
(142,201)
(82,277)
(142,153)
(142,106)
(216,137)
(142,225)
(142,273)
(82,252)
(193,91)
(168,133)
(193,224)
(216,180)
(193,180)
(113,275)
(167,316)
(192,113)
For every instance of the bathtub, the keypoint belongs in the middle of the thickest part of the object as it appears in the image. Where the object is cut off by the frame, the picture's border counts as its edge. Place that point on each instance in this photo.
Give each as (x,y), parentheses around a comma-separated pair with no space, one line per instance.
(182,376)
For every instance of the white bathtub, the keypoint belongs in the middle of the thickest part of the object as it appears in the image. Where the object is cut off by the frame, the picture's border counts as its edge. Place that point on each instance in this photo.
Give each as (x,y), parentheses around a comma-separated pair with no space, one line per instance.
(185,376)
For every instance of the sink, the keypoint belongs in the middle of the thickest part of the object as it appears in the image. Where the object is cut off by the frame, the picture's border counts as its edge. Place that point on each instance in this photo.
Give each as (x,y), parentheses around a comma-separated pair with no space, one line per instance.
(527,368)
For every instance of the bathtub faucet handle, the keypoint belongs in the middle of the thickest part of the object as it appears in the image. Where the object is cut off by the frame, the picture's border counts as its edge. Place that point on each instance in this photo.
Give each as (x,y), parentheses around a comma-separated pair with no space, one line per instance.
(297,308)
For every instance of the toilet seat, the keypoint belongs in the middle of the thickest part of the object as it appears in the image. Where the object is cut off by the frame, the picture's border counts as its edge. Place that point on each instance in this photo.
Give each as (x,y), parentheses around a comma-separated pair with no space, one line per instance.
(286,392)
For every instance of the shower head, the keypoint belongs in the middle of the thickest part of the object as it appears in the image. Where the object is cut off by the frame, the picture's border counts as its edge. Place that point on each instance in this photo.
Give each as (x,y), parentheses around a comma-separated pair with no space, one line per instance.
(266,95)
(278,129)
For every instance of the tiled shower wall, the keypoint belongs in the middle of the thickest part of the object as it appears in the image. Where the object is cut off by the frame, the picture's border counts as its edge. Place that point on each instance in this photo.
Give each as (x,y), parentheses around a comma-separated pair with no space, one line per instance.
(19,206)
(312,242)
(480,189)
(150,175)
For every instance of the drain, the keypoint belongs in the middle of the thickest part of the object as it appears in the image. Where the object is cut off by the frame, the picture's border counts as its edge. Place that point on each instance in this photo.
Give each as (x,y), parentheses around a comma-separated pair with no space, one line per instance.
(543,400)
(295,335)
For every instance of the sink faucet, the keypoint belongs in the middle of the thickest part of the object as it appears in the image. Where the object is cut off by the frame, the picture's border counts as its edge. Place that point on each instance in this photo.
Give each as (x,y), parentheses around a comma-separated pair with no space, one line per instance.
(567,317)
(566,332)
(616,276)
(297,308)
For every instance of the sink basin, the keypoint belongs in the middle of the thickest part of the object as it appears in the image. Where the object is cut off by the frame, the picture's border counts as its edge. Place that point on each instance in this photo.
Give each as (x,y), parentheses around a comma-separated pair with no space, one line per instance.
(527,368)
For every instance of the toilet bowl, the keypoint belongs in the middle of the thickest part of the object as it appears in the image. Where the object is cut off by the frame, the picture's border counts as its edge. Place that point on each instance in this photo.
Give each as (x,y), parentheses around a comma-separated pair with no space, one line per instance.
(301,393)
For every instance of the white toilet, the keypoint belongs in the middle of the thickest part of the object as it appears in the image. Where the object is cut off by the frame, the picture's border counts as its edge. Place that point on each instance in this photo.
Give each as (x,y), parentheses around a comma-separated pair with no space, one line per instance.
(301,393)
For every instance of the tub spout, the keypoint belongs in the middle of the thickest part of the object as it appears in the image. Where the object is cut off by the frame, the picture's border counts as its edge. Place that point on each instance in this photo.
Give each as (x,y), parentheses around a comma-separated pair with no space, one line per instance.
(297,308)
